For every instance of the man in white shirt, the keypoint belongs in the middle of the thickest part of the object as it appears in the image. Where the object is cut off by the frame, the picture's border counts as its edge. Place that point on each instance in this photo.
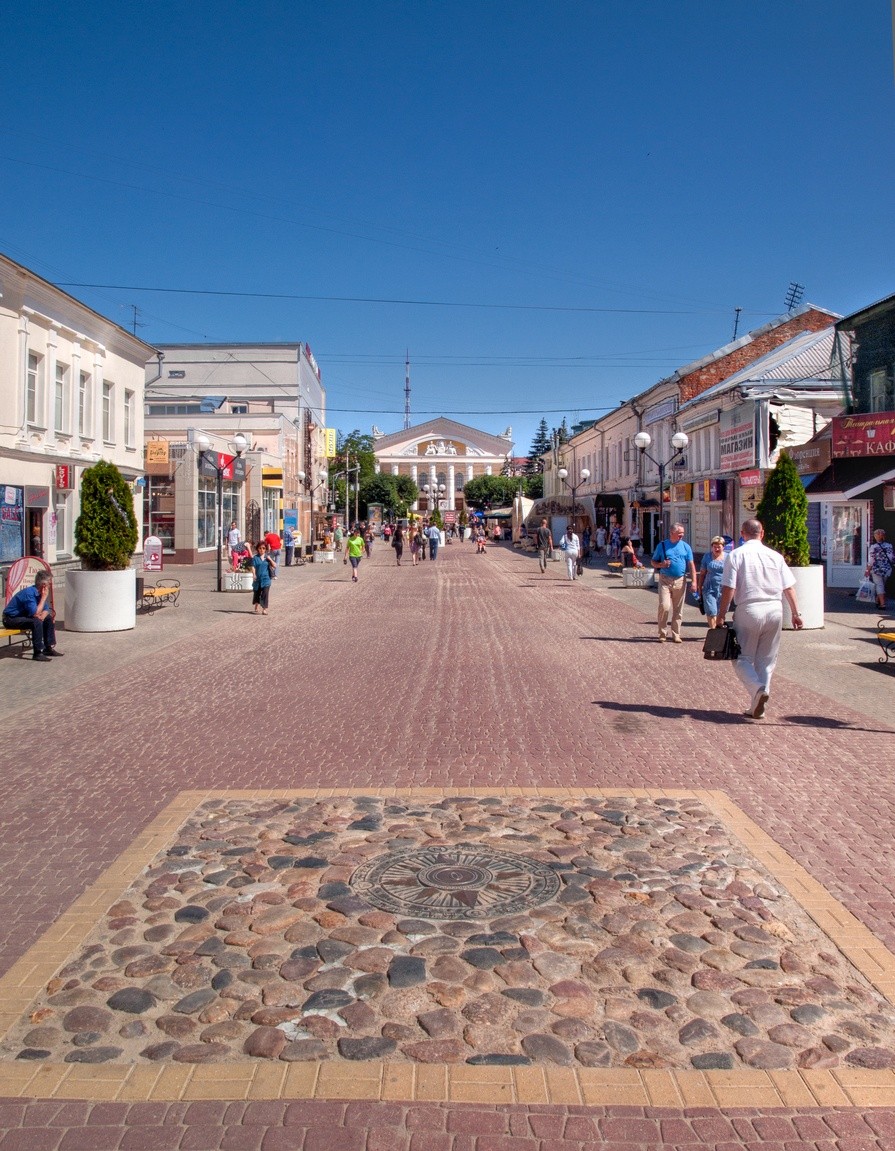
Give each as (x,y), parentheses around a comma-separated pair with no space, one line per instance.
(757,578)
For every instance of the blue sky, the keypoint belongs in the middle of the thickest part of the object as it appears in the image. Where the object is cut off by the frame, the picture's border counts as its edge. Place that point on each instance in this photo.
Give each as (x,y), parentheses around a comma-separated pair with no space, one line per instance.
(551,205)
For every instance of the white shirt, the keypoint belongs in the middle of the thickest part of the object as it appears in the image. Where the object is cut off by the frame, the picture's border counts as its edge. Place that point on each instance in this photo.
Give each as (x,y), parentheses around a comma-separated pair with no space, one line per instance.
(756,573)
(571,544)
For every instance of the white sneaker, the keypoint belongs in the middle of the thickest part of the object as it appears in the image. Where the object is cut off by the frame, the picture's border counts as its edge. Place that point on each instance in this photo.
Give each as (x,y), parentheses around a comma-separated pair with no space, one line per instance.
(759,700)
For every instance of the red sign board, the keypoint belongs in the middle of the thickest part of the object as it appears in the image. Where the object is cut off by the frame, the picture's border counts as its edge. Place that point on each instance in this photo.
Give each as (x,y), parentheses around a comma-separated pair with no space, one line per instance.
(872,434)
(753,479)
(63,478)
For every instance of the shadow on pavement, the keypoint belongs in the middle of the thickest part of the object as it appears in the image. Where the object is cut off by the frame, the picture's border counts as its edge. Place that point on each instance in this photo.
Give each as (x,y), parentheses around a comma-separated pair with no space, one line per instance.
(704,715)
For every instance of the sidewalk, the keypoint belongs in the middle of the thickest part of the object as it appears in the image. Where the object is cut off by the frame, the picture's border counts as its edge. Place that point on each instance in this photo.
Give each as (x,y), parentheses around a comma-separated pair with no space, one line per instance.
(456,702)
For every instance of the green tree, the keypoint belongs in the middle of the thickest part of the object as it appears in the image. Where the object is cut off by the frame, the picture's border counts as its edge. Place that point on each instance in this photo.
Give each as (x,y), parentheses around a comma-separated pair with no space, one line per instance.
(533,486)
(539,445)
(106,531)
(783,512)
(493,491)
(561,434)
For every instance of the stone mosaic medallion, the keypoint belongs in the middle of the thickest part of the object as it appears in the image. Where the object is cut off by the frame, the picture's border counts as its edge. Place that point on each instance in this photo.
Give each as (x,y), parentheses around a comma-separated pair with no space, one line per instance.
(463,882)
(630,932)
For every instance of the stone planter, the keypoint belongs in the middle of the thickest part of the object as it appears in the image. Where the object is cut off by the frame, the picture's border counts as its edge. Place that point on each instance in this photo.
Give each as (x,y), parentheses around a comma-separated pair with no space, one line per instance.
(100,601)
(637,577)
(238,581)
(809,591)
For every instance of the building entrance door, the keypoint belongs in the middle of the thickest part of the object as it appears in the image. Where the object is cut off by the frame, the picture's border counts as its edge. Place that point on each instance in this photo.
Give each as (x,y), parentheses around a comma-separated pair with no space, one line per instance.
(846,546)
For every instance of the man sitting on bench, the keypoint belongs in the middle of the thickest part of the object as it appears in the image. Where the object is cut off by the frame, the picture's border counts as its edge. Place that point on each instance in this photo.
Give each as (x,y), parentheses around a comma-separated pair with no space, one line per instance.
(30,610)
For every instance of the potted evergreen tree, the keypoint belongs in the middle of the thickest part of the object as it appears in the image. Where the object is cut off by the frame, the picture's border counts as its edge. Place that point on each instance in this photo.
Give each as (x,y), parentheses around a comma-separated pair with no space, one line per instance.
(102,595)
(783,511)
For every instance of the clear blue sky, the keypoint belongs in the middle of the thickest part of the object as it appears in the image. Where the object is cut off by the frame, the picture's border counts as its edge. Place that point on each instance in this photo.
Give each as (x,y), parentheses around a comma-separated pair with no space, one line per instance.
(582,192)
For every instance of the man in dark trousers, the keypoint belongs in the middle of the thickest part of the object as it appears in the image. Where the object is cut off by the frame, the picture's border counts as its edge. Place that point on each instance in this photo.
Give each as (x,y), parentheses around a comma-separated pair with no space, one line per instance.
(30,610)
(544,541)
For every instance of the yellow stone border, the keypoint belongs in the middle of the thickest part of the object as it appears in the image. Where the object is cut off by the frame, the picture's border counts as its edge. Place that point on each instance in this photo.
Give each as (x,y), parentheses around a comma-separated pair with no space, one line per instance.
(456,1083)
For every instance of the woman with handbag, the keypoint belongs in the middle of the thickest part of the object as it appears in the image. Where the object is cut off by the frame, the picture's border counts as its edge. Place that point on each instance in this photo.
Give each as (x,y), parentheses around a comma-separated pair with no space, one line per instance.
(880,561)
(708,580)
(263,569)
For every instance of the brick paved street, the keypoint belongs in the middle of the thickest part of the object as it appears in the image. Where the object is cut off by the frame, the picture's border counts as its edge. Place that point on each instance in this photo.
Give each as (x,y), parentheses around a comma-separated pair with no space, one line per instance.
(470,672)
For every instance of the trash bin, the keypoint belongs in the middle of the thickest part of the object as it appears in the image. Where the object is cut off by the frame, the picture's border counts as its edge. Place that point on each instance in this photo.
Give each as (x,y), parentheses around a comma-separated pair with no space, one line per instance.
(139,583)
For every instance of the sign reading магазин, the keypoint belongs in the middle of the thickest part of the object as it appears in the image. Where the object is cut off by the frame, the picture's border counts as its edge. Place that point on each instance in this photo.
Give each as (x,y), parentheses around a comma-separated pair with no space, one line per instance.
(872,434)
(738,439)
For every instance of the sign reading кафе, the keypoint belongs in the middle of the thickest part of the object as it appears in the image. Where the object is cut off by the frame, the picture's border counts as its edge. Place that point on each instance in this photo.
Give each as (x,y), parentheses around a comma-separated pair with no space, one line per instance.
(872,434)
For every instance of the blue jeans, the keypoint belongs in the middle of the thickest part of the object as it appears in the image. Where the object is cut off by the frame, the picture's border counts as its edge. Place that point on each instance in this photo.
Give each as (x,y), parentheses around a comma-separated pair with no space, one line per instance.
(433,549)
(43,631)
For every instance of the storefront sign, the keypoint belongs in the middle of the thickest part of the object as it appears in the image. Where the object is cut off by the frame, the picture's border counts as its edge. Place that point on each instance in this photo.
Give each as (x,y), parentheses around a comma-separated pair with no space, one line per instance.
(811,458)
(37,497)
(681,493)
(157,452)
(867,435)
(660,411)
(63,477)
(704,421)
(737,438)
(231,467)
(710,491)
(152,554)
(751,479)
(329,442)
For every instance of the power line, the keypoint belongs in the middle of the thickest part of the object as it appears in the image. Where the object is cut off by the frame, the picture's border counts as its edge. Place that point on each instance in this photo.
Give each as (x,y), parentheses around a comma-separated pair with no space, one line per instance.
(398,301)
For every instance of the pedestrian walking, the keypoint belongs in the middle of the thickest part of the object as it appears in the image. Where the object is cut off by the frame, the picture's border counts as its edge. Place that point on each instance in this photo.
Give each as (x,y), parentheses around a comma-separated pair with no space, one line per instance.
(264,569)
(601,540)
(368,540)
(288,545)
(416,542)
(434,534)
(398,542)
(354,551)
(673,559)
(708,580)
(235,544)
(544,541)
(571,545)
(880,561)
(757,578)
(615,542)
(274,547)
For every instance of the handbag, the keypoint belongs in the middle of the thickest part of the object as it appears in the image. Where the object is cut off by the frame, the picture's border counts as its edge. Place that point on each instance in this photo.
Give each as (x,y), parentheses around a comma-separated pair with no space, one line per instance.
(866,592)
(721,643)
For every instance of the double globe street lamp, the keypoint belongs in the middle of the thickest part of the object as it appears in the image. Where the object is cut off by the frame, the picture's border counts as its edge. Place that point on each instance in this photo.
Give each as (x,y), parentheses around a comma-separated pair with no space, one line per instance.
(678,441)
(305,480)
(563,474)
(435,493)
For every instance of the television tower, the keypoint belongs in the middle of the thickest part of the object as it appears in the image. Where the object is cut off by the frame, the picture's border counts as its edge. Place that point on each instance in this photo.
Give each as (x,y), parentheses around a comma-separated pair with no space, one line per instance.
(407,390)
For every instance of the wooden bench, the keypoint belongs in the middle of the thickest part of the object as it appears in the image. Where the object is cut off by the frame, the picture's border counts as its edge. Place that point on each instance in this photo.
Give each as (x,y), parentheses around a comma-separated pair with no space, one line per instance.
(165,591)
(615,567)
(885,636)
(11,633)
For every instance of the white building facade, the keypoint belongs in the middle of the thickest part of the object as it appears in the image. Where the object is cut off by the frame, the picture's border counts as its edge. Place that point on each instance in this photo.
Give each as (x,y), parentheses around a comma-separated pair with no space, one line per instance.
(71,393)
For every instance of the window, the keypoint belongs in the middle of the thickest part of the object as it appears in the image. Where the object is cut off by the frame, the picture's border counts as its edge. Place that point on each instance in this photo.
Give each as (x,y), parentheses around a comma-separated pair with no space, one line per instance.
(33,388)
(881,397)
(108,413)
(458,481)
(129,419)
(239,409)
(85,392)
(205,514)
(60,399)
(63,543)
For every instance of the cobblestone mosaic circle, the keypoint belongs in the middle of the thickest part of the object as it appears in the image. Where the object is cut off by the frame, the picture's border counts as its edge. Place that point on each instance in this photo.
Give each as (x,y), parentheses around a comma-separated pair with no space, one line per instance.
(463,882)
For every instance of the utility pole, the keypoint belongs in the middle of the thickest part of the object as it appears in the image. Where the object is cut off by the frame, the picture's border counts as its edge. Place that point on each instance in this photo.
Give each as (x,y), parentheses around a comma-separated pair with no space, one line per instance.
(407,390)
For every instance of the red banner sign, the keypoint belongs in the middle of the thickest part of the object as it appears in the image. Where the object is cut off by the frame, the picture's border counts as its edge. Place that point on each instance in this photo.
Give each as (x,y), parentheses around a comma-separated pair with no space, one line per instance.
(63,478)
(872,434)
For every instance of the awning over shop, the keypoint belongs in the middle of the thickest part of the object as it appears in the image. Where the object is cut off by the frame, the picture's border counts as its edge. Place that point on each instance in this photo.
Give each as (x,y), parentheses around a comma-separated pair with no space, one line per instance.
(849,479)
(611,501)
(499,514)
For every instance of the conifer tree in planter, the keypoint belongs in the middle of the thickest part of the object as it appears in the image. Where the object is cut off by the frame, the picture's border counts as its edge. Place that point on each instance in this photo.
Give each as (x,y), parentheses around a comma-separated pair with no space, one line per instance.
(102,595)
(783,511)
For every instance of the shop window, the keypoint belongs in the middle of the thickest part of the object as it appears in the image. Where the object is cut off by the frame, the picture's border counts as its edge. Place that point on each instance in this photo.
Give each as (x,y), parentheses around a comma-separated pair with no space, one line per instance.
(881,391)
(205,514)
(158,510)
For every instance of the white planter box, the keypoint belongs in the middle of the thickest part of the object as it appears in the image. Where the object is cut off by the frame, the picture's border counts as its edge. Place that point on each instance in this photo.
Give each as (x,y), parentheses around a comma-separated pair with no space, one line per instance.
(637,577)
(238,581)
(100,601)
(809,591)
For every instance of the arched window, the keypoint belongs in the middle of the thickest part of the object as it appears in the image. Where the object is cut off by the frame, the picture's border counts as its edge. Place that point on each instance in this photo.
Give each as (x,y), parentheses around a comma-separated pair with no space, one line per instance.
(458,481)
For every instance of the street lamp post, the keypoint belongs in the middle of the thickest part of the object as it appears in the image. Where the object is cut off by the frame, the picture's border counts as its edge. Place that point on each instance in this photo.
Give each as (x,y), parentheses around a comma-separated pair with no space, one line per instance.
(434,495)
(563,474)
(219,464)
(678,441)
(305,480)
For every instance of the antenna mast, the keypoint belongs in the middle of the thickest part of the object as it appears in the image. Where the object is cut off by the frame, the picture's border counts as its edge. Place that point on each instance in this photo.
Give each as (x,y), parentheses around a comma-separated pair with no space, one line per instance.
(407,390)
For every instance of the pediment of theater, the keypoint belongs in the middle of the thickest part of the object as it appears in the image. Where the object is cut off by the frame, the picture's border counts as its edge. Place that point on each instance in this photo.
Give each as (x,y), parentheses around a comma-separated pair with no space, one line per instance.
(443,439)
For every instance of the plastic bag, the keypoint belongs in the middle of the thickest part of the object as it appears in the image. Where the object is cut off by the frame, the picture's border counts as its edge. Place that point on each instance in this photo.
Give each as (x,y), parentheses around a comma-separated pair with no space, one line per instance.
(866,592)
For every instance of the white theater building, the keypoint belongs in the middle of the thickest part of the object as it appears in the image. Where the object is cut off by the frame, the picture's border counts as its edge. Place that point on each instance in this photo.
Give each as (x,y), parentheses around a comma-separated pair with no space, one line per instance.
(442,453)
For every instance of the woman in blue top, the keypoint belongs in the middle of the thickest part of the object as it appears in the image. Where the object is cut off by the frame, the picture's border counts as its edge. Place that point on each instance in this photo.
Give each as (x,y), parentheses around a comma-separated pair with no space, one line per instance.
(708,581)
(262,580)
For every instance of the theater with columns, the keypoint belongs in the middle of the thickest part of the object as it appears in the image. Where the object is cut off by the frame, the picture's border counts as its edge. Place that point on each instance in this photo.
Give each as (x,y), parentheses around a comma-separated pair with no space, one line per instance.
(442,454)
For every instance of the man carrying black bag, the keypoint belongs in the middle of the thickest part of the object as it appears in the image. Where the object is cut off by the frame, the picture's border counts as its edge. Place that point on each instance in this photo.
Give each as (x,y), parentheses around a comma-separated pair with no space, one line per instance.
(758,578)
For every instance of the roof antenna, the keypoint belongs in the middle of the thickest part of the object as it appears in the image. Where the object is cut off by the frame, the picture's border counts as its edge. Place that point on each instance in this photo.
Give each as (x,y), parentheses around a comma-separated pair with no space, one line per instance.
(407,390)
(793,296)
(736,322)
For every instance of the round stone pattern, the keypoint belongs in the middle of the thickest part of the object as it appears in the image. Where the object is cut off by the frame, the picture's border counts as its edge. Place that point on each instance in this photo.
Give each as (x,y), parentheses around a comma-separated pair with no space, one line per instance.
(456,882)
